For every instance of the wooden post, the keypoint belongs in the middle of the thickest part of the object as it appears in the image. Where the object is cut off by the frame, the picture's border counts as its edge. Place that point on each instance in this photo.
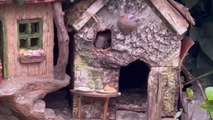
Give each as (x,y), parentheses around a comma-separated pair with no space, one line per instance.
(154,95)
(63,42)
(106,102)
(1,77)
(79,107)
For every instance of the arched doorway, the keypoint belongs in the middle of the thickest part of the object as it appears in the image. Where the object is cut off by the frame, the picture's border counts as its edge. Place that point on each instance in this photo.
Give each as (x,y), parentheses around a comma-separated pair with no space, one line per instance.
(133,81)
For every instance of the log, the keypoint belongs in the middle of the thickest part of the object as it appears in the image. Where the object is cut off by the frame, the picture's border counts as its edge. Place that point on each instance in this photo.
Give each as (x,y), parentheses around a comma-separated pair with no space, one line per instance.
(171,15)
(90,12)
(24,96)
(63,42)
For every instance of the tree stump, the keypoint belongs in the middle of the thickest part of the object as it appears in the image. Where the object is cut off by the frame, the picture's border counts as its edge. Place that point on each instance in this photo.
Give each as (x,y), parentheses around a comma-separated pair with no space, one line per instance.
(24,96)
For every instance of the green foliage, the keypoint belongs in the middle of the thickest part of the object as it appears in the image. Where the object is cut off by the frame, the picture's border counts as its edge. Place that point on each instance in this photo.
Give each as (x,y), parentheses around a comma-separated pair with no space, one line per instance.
(209,93)
(208,104)
(189,93)
(20,2)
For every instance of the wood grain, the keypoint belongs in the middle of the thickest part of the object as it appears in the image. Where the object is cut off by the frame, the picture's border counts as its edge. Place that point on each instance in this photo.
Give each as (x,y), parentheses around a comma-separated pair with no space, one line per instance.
(33,90)
(63,42)
(155,85)
(11,13)
(171,15)
(89,13)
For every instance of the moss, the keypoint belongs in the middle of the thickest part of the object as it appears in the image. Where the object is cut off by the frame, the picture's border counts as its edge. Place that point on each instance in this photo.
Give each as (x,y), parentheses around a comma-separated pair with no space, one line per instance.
(169,90)
(79,62)
(84,71)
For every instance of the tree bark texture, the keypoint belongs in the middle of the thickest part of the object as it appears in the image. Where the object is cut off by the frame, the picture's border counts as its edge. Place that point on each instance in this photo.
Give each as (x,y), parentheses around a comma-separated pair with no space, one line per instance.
(24,96)
(63,42)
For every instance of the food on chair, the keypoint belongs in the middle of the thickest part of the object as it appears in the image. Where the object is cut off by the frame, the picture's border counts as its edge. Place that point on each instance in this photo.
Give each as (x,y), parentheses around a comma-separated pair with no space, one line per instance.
(108,88)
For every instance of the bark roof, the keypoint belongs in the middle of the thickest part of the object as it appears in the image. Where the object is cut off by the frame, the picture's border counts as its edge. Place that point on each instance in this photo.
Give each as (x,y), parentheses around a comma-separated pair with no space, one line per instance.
(175,14)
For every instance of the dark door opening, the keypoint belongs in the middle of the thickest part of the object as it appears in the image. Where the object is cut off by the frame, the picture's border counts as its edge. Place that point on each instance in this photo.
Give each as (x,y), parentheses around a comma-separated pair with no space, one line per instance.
(133,81)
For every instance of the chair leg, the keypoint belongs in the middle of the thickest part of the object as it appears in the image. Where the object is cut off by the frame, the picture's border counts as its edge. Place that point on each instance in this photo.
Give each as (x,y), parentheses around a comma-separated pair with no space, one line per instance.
(106,102)
(79,107)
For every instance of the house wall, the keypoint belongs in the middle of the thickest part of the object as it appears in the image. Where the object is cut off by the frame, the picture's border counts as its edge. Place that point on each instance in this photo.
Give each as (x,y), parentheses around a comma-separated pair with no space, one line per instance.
(11,13)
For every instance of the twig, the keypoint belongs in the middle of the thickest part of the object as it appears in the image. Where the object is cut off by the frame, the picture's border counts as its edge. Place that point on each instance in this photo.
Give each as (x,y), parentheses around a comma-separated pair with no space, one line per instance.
(92,15)
(191,77)
(199,77)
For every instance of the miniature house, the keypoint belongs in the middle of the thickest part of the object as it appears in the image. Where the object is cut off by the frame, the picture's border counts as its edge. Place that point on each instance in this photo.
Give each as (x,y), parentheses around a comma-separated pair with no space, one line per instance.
(140,60)
(26,52)
(26,38)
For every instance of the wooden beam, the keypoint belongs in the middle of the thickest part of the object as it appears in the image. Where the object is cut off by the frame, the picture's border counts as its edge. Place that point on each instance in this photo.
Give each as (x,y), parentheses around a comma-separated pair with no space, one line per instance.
(90,12)
(63,42)
(171,15)
(183,10)
(155,89)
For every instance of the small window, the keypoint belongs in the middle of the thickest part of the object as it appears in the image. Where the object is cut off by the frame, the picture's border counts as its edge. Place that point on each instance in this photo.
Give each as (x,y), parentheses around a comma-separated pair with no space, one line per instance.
(23,43)
(103,39)
(34,42)
(23,28)
(30,33)
(34,27)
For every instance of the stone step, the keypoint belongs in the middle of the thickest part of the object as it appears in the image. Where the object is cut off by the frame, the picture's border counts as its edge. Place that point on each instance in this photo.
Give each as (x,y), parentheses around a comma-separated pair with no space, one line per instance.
(50,114)
(39,107)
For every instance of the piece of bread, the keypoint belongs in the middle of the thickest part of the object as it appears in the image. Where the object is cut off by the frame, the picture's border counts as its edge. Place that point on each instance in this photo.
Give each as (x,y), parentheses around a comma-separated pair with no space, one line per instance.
(108,88)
